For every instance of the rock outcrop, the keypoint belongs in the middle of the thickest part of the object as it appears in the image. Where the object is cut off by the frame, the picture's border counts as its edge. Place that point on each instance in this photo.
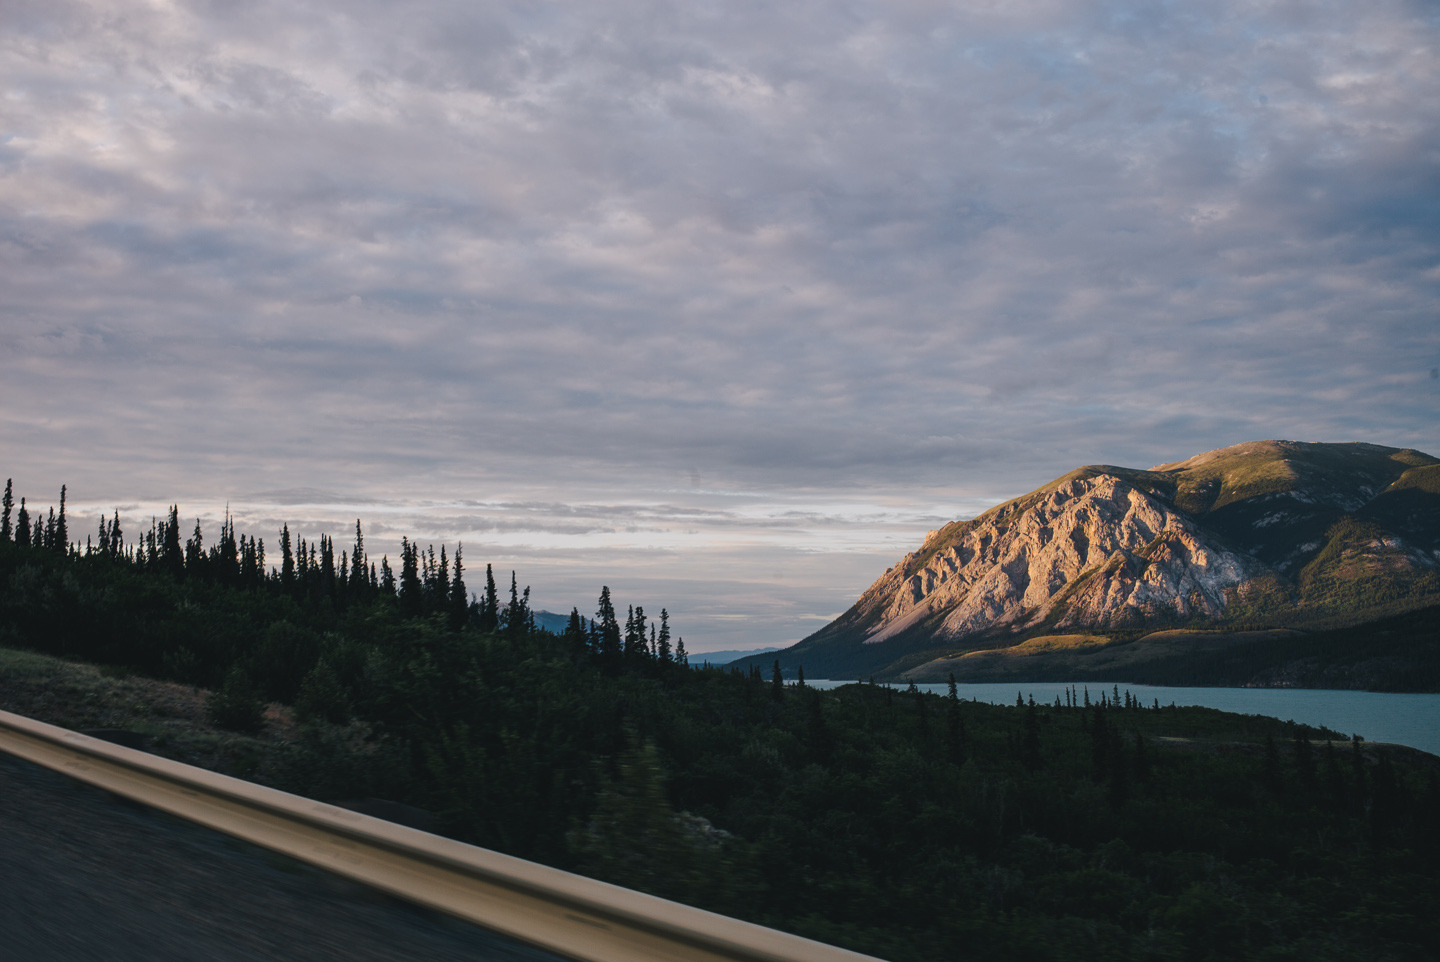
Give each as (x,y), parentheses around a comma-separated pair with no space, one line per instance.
(1094,551)
(1277,533)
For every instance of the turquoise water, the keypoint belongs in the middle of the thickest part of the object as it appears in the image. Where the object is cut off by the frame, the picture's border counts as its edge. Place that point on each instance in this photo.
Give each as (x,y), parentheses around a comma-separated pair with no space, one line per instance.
(1412,720)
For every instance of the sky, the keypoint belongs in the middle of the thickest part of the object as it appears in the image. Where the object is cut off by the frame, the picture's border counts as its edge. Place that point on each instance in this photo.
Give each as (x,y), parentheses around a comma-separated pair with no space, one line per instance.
(722,305)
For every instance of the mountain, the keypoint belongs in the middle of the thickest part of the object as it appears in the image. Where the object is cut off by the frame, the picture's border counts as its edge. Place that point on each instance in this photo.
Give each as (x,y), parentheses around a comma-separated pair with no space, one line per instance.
(551,621)
(1230,546)
(727,656)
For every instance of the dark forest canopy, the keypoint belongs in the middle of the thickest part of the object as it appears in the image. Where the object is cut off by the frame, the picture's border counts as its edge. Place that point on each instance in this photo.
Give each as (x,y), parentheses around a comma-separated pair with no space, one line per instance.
(903,824)
(324,585)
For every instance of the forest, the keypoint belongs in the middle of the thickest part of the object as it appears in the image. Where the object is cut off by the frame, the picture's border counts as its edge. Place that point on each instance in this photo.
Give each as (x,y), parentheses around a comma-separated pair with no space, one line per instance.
(907,825)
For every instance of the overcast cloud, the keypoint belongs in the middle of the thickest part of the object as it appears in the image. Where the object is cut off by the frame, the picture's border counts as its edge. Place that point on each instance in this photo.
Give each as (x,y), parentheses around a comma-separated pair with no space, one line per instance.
(722,305)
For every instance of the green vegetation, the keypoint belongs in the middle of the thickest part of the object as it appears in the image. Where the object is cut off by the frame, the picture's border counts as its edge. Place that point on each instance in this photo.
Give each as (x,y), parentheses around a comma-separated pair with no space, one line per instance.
(902,824)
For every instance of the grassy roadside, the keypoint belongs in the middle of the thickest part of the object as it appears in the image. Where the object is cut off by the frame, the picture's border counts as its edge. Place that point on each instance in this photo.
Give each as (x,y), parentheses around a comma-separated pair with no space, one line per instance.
(170,717)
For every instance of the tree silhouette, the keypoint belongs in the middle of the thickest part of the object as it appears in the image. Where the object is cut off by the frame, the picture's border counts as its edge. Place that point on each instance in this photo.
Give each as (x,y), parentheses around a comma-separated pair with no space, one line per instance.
(61,537)
(609,630)
(662,641)
(490,607)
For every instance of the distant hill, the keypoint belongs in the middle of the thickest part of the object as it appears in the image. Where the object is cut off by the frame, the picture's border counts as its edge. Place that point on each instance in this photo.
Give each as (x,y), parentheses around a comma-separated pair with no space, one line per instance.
(1230,546)
(726,657)
(551,621)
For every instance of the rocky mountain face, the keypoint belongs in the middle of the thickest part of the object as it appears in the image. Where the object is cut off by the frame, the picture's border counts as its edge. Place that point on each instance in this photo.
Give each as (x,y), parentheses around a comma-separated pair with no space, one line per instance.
(1273,532)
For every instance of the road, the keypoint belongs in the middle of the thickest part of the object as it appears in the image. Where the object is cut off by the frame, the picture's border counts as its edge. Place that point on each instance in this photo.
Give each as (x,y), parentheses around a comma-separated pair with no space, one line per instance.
(85,876)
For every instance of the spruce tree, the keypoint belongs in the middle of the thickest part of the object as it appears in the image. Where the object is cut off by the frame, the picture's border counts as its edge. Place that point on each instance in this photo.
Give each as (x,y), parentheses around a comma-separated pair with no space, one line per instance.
(575,631)
(7,503)
(662,643)
(194,551)
(172,558)
(61,543)
(442,582)
(459,596)
(287,561)
(22,526)
(410,589)
(327,566)
(490,607)
(358,578)
(609,629)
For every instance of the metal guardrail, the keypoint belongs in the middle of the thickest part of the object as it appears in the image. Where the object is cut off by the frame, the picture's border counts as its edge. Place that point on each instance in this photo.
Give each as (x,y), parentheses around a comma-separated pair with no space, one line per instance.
(557,911)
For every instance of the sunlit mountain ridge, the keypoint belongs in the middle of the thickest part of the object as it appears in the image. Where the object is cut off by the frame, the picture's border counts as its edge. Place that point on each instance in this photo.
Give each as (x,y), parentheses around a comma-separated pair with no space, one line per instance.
(1099,569)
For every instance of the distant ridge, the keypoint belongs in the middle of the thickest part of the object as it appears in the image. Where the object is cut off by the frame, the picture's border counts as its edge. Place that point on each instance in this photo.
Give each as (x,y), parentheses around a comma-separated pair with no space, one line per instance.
(726,657)
(1257,536)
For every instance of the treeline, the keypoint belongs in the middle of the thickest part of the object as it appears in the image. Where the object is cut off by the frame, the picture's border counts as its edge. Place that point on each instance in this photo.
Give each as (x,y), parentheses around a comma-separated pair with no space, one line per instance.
(313,585)
(900,823)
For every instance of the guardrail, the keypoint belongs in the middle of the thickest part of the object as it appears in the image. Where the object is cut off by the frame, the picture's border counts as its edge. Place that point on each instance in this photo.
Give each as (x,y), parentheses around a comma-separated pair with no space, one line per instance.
(557,911)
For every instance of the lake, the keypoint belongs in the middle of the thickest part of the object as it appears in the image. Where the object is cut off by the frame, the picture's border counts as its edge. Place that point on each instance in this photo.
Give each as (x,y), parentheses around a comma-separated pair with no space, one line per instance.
(1405,719)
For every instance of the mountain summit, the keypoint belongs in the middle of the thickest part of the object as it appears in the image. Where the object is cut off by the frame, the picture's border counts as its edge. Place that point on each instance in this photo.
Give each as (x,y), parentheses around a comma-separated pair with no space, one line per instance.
(1268,534)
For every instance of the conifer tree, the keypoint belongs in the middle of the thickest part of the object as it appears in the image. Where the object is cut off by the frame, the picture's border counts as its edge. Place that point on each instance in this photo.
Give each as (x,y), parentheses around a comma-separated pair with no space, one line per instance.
(640,632)
(287,561)
(171,555)
(459,597)
(490,607)
(441,591)
(117,537)
(6,503)
(410,588)
(194,551)
(609,629)
(358,580)
(575,630)
(22,526)
(777,682)
(662,643)
(680,657)
(387,577)
(61,541)
(519,622)
(47,538)
(327,566)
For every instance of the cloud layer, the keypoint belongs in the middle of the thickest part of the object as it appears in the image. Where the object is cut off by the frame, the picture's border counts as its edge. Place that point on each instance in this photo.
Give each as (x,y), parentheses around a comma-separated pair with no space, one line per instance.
(549,277)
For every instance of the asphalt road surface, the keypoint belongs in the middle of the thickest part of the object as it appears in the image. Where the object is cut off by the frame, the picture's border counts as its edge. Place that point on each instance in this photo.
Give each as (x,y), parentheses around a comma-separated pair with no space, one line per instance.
(85,876)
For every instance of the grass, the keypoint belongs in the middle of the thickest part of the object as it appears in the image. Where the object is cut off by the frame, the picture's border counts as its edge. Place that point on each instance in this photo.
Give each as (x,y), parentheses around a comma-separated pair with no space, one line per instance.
(1048,643)
(84,697)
